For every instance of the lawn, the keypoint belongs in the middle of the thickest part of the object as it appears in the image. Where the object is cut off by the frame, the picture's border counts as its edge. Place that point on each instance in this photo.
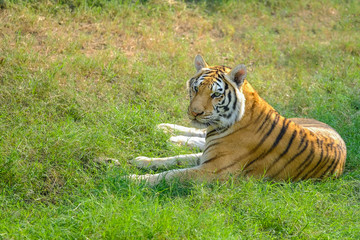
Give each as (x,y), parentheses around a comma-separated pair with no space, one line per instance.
(85,79)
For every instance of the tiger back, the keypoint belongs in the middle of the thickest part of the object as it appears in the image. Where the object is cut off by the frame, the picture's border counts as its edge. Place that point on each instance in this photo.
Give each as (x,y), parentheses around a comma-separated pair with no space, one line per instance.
(246,136)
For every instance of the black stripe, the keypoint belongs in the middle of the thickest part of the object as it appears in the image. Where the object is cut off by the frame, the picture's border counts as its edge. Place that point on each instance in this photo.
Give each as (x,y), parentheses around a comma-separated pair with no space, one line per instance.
(253,107)
(307,161)
(293,158)
(235,104)
(320,144)
(304,136)
(228,96)
(330,166)
(237,130)
(226,108)
(283,130)
(260,115)
(285,151)
(275,121)
(221,130)
(208,134)
(324,161)
(222,101)
(227,116)
(209,160)
(312,151)
(218,81)
(235,100)
(228,166)
(276,142)
(265,120)
(210,146)
(339,158)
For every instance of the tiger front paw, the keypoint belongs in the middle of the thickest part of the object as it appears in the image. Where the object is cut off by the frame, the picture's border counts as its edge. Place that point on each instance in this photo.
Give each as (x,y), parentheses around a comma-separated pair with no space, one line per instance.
(150,179)
(141,162)
(167,128)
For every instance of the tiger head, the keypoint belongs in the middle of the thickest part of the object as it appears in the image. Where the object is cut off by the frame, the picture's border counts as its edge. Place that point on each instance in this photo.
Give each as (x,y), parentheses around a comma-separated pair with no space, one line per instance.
(216,97)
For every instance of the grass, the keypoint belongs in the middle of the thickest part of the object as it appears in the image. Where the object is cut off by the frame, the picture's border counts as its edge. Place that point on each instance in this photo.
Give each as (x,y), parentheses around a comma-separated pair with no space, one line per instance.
(85,79)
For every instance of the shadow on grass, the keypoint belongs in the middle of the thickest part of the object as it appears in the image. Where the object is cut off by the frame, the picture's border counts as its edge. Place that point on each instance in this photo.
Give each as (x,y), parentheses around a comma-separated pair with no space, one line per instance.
(120,184)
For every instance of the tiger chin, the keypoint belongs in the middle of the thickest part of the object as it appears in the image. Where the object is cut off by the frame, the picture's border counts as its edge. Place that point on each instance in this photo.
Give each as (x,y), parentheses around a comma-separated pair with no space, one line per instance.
(244,135)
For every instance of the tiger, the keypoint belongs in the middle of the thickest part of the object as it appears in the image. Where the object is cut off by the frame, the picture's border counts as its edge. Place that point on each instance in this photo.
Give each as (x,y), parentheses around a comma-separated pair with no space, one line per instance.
(240,134)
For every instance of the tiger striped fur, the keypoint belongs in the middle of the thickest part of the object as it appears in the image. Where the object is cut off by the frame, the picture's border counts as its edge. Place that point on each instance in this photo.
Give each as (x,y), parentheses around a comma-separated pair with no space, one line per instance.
(246,136)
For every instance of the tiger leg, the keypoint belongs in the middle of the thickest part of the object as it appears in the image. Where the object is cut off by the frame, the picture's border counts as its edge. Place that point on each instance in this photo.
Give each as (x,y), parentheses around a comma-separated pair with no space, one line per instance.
(191,142)
(186,174)
(191,137)
(188,159)
(186,131)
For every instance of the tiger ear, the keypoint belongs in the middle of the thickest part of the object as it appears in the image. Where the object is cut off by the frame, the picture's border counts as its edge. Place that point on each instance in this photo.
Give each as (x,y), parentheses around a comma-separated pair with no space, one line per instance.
(238,74)
(200,63)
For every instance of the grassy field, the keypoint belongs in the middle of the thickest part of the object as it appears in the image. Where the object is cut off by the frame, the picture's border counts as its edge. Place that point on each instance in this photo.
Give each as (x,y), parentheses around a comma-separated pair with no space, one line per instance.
(86,79)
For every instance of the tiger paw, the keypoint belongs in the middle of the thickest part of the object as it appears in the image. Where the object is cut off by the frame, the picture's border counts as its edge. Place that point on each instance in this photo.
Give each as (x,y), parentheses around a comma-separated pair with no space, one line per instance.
(150,179)
(167,127)
(141,162)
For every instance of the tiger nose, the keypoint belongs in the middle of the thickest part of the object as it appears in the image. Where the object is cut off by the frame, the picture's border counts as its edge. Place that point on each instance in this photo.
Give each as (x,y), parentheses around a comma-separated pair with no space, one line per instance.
(196,113)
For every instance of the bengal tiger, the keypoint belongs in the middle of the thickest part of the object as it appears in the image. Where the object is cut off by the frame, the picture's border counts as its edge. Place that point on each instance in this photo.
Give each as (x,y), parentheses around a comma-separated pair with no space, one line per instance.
(245,136)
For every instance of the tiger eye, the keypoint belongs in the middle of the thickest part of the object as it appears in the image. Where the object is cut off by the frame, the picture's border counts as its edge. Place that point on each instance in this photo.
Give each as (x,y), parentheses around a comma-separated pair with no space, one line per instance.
(216,95)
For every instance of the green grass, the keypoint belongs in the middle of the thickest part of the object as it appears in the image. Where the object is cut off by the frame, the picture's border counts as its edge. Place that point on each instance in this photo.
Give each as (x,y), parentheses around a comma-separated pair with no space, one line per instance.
(86,79)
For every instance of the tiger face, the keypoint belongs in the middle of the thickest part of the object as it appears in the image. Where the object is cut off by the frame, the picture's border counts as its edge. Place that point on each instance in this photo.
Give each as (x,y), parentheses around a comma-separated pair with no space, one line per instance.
(216,97)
